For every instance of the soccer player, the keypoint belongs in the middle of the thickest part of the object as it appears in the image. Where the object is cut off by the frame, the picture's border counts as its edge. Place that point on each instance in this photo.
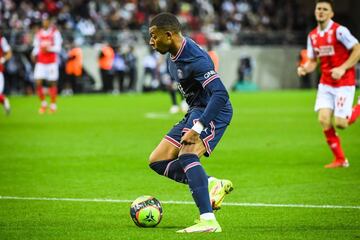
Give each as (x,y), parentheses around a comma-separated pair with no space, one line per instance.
(5,55)
(47,44)
(338,51)
(177,155)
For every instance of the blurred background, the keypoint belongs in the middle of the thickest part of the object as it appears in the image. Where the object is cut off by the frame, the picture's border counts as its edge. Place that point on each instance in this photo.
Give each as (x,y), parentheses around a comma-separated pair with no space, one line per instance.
(258,42)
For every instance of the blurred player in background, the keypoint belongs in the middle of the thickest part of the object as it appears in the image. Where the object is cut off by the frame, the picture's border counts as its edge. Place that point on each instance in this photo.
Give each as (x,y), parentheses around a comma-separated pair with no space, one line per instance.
(73,70)
(338,51)
(178,154)
(47,45)
(213,55)
(5,55)
(305,81)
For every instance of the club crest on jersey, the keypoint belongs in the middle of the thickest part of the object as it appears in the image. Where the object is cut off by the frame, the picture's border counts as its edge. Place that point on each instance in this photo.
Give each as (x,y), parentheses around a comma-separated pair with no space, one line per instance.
(180,74)
(209,74)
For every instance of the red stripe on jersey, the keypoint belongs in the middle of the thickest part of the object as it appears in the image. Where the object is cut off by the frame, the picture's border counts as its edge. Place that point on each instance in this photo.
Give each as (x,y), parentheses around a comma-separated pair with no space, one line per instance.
(209,80)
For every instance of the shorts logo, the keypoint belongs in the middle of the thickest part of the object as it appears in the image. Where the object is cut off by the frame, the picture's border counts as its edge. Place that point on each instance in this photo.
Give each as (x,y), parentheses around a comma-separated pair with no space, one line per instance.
(209,74)
(340,102)
(180,74)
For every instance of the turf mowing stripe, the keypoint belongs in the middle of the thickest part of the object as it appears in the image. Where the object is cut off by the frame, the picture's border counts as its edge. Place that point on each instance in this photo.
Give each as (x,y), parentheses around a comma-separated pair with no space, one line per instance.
(180,202)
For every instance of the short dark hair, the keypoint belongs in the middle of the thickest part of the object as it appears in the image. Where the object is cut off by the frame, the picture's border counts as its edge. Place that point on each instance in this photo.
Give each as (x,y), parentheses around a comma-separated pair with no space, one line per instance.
(331,2)
(166,21)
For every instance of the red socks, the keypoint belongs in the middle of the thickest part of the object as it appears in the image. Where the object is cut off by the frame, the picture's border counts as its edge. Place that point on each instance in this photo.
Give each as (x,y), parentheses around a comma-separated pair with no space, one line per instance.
(53,94)
(355,114)
(2,98)
(334,143)
(40,92)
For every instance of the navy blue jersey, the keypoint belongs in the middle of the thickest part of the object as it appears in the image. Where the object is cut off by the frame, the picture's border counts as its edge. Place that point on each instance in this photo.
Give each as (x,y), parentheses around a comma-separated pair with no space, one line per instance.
(193,70)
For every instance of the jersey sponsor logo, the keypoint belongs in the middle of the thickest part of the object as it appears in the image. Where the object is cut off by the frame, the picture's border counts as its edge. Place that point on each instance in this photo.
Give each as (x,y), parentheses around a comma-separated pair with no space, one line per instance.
(181,89)
(324,51)
(209,74)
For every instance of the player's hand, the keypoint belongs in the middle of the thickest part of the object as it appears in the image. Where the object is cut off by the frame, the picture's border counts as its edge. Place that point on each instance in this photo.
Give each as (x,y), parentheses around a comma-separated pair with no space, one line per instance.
(301,71)
(191,137)
(337,73)
(33,58)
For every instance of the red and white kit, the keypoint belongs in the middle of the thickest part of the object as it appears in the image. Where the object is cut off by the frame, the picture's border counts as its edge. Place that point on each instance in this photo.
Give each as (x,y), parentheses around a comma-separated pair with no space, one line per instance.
(4,47)
(333,47)
(47,45)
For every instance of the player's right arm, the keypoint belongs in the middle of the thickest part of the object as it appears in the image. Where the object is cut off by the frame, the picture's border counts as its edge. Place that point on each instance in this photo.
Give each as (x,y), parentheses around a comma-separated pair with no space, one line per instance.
(311,64)
(7,50)
(36,49)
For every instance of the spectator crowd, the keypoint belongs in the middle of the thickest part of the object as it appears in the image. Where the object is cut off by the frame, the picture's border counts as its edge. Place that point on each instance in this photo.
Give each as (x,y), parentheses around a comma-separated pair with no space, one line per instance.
(121,23)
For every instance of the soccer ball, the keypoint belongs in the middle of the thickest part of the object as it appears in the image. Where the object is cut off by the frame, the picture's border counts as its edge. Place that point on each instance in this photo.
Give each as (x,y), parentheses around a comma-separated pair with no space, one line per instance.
(146,211)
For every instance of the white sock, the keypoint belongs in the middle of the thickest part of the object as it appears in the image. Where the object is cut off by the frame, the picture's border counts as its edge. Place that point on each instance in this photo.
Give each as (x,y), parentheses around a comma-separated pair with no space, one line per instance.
(208,216)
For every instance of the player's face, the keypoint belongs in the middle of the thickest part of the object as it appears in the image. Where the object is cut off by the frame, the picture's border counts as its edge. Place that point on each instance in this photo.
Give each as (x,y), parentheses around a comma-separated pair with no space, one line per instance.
(323,12)
(46,23)
(159,40)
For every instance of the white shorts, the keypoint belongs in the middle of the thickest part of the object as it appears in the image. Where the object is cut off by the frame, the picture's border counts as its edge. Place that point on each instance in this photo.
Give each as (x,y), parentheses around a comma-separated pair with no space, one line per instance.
(1,83)
(48,72)
(339,99)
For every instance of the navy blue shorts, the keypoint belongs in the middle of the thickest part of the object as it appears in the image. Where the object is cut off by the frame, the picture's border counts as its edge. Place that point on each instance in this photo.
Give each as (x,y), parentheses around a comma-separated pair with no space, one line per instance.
(210,136)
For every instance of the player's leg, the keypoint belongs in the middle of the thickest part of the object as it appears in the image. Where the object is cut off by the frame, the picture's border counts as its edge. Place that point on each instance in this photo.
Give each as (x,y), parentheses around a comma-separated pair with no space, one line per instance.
(164,158)
(343,106)
(3,99)
(53,76)
(164,161)
(325,105)
(39,75)
(174,105)
(198,184)
(332,139)
(53,96)
(218,188)
(355,114)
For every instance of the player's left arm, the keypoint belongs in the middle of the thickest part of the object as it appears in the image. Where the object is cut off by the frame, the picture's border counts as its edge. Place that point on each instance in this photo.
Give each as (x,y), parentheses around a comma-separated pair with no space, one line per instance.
(56,47)
(219,96)
(352,44)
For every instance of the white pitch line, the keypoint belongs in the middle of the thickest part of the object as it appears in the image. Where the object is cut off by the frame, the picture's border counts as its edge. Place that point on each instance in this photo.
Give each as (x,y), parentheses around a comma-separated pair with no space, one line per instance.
(153,115)
(180,202)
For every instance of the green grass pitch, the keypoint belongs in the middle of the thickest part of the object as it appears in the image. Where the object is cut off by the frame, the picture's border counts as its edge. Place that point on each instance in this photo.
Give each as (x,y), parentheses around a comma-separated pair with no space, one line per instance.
(96,147)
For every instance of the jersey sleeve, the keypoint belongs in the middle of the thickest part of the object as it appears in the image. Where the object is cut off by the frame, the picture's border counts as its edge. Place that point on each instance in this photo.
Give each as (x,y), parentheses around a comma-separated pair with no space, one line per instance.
(345,37)
(310,49)
(57,42)
(204,72)
(36,46)
(5,45)
(212,84)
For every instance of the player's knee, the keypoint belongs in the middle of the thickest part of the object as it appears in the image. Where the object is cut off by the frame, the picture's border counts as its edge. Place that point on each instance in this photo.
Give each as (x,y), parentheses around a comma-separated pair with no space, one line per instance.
(158,167)
(152,158)
(325,121)
(187,158)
